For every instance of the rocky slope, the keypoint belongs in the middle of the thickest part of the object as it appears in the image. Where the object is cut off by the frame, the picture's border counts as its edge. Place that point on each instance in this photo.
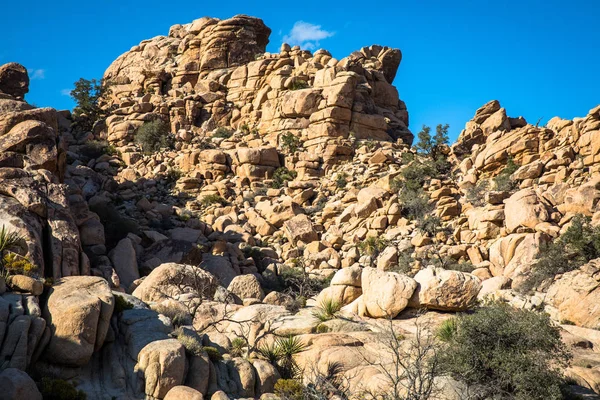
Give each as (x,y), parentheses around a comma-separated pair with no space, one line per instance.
(217,238)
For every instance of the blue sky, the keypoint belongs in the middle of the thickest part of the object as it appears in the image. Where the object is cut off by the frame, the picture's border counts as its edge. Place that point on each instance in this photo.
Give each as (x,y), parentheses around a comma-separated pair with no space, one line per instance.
(540,58)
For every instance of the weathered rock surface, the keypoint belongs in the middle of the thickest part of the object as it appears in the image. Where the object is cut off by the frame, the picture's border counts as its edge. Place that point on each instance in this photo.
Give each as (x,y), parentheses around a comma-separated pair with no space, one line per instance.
(78,312)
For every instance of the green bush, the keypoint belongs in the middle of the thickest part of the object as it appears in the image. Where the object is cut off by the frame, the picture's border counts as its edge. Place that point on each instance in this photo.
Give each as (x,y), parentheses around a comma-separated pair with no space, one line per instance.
(58,389)
(223,133)
(298,84)
(341,180)
(190,342)
(289,389)
(88,95)
(503,181)
(290,142)
(211,199)
(372,246)
(153,136)
(579,244)
(281,176)
(435,148)
(446,330)
(476,194)
(213,353)
(173,175)
(501,352)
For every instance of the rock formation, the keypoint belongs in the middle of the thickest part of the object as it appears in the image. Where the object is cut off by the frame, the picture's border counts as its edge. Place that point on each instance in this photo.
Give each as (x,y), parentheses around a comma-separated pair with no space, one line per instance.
(274,210)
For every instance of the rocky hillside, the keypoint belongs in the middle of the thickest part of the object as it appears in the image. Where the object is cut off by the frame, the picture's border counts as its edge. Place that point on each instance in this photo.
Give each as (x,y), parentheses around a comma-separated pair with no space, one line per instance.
(253,225)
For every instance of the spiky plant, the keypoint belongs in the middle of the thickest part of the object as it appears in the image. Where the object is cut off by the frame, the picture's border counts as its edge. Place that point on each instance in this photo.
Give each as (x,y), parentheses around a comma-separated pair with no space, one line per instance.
(327,310)
(8,239)
(287,348)
(238,346)
(447,330)
(269,352)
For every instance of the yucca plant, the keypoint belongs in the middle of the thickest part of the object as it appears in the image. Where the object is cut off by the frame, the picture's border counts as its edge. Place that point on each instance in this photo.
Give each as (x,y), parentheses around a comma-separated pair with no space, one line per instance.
(8,239)
(269,352)
(327,310)
(286,349)
(237,347)
(447,330)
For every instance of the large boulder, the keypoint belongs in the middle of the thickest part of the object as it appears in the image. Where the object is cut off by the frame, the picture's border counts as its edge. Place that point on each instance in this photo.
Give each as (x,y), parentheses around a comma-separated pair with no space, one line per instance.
(14,79)
(124,259)
(576,295)
(170,281)
(300,228)
(385,294)
(16,384)
(246,287)
(183,393)
(446,290)
(78,312)
(162,366)
(524,210)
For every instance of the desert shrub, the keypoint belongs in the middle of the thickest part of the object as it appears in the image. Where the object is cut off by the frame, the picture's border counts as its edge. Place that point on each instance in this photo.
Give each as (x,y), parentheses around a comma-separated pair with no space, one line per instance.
(59,389)
(190,342)
(211,199)
(372,246)
(223,133)
(173,175)
(16,264)
(116,226)
(290,142)
(327,310)
(213,353)
(579,244)
(289,389)
(178,315)
(501,352)
(461,266)
(245,128)
(121,304)
(404,264)
(281,176)
(503,181)
(341,180)
(153,136)
(238,346)
(476,194)
(298,84)
(88,96)
(429,224)
(435,148)
(96,148)
(300,284)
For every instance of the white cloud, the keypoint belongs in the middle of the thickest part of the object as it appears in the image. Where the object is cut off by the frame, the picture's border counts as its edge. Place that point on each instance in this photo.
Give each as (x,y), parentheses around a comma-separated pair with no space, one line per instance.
(35,74)
(65,92)
(306,35)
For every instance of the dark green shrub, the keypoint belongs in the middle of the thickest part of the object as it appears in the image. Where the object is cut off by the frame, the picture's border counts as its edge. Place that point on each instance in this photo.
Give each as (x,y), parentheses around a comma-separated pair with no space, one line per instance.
(435,148)
(213,353)
(501,352)
(211,199)
(372,246)
(223,133)
(290,142)
(476,194)
(298,84)
(281,176)
(341,180)
(153,136)
(173,175)
(289,389)
(579,244)
(58,389)
(503,181)
(88,96)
